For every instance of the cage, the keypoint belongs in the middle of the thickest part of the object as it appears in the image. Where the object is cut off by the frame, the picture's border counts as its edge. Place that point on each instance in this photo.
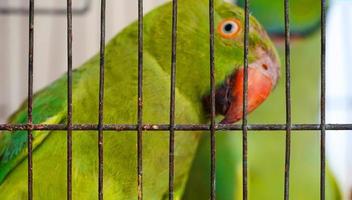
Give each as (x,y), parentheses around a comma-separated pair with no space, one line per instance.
(66,14)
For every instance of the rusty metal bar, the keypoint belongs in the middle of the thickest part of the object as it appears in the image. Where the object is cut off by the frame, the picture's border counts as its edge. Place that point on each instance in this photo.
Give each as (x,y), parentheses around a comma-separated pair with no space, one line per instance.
(69,99)
(245,98)
(140,102)
(30,98)
(212,102)
(177,127)
(288,100)
(172,101)
(101,102)
(322,101)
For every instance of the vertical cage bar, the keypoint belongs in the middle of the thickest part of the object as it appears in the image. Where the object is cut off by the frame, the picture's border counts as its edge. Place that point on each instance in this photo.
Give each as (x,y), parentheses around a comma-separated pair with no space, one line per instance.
(140,102)
(172,101)
(69,99)
(322,101)
(245,97)
(288,100)
(101,101)
(212,102)
(30,97)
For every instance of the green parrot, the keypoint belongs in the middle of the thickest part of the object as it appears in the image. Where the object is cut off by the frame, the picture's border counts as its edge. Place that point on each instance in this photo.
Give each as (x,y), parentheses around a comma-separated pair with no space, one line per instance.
(304,16)
(266,149)
(192,100)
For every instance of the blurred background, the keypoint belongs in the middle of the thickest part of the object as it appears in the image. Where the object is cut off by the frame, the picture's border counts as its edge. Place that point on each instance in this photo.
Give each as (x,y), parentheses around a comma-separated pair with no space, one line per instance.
(50,61)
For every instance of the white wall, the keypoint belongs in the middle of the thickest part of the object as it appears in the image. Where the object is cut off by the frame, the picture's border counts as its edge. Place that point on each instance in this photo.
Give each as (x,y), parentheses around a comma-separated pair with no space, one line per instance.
(339,95)
(50,43)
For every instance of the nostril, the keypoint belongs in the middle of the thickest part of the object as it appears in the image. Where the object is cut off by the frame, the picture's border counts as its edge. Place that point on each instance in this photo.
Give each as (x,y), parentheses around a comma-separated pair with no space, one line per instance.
(265,66)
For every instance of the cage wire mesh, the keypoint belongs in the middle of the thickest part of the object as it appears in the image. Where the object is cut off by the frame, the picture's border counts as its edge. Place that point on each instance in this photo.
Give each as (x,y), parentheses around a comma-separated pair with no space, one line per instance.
(139,127)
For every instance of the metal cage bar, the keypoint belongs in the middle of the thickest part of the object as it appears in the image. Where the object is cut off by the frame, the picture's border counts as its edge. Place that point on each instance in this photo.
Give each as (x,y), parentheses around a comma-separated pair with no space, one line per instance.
(212,102)
(178,127)
(140,102)
(69,99)
(245,99)
(288,100)
(322,101)
(101,101)
(172,101)
(30,98)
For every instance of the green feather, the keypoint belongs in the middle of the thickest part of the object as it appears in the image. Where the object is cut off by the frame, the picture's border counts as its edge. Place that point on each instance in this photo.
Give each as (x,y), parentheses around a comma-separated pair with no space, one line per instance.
(48,108)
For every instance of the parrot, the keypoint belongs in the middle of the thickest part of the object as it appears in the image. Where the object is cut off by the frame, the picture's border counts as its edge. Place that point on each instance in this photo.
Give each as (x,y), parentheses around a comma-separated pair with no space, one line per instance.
(120,105)
(304,16)
(266,149)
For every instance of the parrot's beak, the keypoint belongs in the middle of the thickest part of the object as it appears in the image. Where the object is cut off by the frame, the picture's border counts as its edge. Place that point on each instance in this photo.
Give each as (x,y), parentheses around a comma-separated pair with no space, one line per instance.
(263,75)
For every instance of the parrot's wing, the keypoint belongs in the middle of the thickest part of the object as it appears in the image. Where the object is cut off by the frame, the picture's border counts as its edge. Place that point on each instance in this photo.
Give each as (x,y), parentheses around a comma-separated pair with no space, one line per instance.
(49,107)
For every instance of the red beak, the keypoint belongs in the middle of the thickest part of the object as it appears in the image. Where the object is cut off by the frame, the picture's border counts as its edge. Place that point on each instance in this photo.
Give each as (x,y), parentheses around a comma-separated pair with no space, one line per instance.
(259,88)
(263,75)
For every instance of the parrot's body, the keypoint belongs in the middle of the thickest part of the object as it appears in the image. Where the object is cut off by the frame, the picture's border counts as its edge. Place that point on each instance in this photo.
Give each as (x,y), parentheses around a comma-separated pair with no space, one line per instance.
(120,106)
(266,149)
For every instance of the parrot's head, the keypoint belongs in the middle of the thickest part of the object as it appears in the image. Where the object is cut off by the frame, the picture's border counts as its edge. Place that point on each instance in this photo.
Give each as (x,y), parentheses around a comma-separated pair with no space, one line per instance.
(263,63)
(193,60)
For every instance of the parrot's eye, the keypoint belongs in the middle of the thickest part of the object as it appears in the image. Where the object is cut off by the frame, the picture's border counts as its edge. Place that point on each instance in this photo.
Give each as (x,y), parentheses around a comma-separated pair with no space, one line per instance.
(229,28)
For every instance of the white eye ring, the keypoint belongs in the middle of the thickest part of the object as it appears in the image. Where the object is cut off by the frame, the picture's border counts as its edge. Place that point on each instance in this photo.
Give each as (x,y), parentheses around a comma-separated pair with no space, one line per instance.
(229,28)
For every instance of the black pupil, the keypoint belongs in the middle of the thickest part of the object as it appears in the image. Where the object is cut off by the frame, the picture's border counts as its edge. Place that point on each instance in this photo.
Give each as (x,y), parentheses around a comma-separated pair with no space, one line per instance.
(228,27)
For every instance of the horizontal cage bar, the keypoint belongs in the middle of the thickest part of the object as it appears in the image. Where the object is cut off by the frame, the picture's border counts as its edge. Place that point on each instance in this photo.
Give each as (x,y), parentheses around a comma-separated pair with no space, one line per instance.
(177,127)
